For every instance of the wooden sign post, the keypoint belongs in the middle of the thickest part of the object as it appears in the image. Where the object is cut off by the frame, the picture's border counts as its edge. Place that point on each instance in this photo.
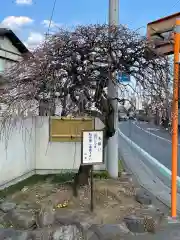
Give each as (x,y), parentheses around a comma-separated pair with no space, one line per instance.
(92,153)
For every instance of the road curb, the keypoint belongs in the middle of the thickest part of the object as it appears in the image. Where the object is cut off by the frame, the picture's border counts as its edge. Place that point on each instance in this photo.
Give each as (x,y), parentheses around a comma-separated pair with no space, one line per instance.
(144,174)
(162,169)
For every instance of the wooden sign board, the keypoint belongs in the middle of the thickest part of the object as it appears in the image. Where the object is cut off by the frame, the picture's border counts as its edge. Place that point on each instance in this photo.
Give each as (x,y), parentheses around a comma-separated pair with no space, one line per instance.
(68,129)
(160,34)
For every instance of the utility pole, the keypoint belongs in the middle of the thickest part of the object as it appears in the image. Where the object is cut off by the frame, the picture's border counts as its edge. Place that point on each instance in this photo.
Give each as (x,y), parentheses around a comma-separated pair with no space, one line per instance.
(112,146)
(175,120)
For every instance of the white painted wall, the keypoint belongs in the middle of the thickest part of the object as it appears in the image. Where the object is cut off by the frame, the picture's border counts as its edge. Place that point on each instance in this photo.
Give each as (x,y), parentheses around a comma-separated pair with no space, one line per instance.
(28,151)
(54,155)
(17,150)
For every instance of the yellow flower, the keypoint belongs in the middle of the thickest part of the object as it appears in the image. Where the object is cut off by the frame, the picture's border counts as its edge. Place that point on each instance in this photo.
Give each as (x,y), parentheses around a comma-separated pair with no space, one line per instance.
(59,205)
(62,205)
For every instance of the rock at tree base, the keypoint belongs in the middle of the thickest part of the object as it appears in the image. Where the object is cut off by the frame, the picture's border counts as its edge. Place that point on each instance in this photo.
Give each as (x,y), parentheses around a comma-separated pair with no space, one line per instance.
(141,224)
(143,198)
(46,217)
(7,206)
(67,232)
(109,231)
(10,234)
(41,234)
(20,219)
(135,224)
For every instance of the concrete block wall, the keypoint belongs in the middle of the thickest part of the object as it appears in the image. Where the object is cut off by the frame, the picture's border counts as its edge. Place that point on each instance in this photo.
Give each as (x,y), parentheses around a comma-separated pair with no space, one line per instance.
(26,150)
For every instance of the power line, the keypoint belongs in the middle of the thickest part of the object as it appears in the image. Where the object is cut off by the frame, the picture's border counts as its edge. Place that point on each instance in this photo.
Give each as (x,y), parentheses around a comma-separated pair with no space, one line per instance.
(52,14)
(176,3)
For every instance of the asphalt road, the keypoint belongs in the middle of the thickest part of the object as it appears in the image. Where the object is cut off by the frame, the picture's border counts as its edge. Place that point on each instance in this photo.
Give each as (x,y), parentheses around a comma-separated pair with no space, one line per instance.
(153,140)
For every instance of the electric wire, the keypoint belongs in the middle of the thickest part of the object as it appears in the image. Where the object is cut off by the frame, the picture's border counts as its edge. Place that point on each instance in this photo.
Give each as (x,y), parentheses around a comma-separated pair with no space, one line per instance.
(176,3)
(51,17)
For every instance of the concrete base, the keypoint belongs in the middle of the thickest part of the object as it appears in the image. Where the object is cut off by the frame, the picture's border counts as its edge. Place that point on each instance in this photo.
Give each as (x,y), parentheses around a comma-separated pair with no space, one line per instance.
(16,180)
(173,220)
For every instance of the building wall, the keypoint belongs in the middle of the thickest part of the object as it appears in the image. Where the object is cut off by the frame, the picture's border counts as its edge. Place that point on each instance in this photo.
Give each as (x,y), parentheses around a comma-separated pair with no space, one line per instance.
(8,54)
(26,150)
(54,155)
(17,148)
(8,47)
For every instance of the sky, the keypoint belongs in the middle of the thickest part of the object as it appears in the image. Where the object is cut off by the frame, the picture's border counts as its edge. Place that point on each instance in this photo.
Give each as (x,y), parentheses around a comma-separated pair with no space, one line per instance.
(29,19)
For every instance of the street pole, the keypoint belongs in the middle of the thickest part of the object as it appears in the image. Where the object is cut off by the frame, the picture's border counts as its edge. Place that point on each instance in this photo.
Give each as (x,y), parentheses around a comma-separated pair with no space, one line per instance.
(112,146)
(175,120)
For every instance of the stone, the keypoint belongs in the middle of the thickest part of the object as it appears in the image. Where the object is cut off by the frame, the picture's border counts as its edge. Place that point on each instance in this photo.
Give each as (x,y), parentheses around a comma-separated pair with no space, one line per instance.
(65,221)
(110,231)
(135,224)
(123,228)
(151,218)
(2,226)
(143,198)
(143,223)
(93,237)
(22,236)
(7,206)
(2,217)
(67,232)
(46,217)
(41,234)
(1,200)
(94,233)
(152,211)
(20,219)
(10,234)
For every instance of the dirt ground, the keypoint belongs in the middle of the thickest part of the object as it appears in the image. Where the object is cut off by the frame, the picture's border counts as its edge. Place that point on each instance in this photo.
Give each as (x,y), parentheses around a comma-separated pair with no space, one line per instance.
(113,199)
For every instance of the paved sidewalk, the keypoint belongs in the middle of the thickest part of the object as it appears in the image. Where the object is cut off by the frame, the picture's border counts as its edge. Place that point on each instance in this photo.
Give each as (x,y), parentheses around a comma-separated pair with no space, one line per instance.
(170,232)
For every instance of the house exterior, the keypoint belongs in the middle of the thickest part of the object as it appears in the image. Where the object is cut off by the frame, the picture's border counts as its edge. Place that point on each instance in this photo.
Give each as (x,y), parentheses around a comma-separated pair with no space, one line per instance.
(12,49)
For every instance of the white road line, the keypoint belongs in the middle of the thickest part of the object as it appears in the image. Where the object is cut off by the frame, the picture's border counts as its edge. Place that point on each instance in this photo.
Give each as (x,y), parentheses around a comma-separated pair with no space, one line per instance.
(147,155)
(152,134)
(153,129)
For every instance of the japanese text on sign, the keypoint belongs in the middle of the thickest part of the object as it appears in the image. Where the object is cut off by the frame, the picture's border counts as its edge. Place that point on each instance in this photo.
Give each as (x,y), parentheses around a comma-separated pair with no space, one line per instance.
(92,147)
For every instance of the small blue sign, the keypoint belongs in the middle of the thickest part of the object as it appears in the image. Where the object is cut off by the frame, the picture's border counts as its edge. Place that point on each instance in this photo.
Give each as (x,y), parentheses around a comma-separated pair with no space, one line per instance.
(123,77)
